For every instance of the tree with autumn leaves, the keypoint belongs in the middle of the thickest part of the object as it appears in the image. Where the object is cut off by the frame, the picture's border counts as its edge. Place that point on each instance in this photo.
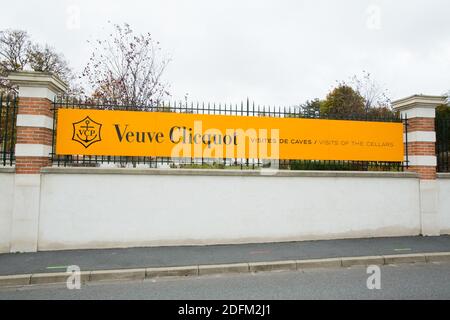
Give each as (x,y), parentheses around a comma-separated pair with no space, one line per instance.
(361,96)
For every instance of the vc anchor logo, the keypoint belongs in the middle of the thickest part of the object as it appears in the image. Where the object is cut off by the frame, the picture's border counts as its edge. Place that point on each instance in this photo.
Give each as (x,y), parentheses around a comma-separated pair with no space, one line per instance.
(86,132)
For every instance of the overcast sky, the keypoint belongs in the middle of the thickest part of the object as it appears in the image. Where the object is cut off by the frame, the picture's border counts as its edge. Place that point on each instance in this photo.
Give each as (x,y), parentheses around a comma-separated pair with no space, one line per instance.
(275,52)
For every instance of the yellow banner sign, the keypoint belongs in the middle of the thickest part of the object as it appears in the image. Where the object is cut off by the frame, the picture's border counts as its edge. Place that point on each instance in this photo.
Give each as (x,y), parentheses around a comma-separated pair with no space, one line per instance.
(167,134)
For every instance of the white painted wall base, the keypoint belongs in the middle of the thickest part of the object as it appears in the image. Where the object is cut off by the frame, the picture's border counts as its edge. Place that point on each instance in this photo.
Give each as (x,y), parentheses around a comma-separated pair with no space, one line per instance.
(105,208)
(25,214)
(6,208)
(444,204)
(429,207)
(123,210)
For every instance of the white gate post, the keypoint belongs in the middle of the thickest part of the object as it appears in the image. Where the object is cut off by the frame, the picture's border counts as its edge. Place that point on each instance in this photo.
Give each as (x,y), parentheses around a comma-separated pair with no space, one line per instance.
(33,147)
(420,112)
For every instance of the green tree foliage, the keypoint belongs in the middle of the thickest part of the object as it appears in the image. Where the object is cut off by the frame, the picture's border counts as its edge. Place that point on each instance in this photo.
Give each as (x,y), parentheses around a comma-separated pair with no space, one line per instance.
(443,111)
(344,101)
(381,112)
(311,108)
(361,96)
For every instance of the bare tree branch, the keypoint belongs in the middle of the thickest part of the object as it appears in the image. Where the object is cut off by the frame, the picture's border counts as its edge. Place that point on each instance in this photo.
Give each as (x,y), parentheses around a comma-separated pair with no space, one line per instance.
(18,52)
(372,92)
(125,68)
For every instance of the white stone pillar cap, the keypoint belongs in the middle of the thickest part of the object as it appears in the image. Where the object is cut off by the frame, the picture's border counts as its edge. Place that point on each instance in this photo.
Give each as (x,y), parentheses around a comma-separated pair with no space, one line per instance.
(33,84)
(415,106)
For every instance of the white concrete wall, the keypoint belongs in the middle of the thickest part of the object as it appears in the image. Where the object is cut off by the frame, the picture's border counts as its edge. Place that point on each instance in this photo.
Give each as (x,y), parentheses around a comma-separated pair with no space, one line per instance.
(444,204)
(120,210)
(6,209)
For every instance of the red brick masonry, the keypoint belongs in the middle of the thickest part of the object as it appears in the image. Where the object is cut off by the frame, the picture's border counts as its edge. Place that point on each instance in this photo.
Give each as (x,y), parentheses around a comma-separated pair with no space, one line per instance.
(33,135)
(422,148)
(420,124)
(418,148)
(39,106)
(425,172)
(31,164)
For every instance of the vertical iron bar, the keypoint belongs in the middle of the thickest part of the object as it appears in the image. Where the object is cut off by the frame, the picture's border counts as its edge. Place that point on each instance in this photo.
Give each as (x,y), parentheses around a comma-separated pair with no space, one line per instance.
(1,133)
(54,129)
(13,134)
(5,131)
(248,106)
(406,142)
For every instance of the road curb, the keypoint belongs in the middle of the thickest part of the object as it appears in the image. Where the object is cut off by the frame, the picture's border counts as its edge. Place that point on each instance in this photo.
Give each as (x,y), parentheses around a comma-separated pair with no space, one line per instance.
(319,263)
(222,268)
(404,258)
(114,275)
(15,280)
(184,271)
(20,280)
(288,265)
(437,256)
(55,277)
(363,261)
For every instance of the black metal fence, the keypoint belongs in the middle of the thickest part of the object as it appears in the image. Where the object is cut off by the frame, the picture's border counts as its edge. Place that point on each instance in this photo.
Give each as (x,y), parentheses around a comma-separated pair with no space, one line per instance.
(8,114)
(443,144)
(242,109)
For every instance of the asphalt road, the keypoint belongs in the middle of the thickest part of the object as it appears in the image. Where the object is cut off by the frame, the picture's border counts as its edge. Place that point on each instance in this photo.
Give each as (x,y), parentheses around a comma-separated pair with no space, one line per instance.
(97,259)
(405,281)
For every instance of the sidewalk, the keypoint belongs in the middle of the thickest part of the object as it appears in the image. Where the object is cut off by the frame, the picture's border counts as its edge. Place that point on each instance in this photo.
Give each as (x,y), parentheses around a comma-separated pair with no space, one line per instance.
(107,259)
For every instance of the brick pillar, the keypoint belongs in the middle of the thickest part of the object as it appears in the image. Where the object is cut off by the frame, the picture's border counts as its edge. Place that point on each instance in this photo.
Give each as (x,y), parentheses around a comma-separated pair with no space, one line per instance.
(33,147)
(34,134)
(420,142)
